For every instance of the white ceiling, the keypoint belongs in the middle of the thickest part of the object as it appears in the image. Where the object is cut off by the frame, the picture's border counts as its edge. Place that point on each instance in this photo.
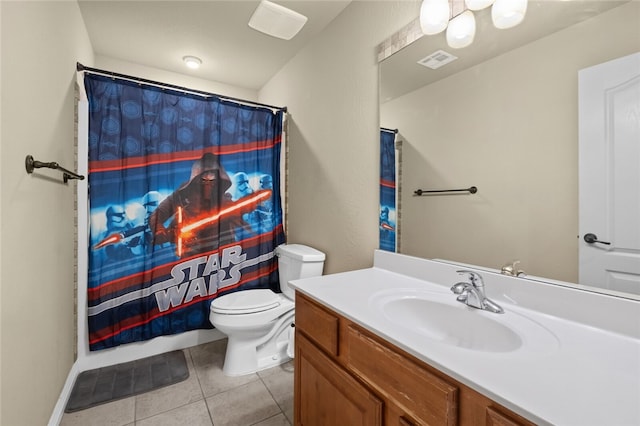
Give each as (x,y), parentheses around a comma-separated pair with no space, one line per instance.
(159,33)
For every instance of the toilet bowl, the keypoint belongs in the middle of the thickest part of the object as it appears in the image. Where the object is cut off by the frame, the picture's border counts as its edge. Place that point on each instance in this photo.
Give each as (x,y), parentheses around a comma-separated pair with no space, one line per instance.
(258,322)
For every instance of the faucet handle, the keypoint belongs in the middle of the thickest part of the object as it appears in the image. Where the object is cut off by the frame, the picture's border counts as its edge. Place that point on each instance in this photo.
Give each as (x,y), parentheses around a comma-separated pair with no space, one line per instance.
(474,277)
(459,288)
(510,268)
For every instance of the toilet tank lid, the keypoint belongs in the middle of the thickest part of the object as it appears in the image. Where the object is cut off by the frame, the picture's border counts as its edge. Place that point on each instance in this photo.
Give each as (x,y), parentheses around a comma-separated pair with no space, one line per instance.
(300,252)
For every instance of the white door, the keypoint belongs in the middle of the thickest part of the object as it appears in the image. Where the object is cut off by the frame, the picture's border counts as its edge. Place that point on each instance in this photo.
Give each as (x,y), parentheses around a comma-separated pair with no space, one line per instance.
(609,175)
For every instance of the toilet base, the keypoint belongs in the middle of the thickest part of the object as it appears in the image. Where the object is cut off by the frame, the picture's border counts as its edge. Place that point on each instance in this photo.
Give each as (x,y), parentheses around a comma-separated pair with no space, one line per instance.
(244,358)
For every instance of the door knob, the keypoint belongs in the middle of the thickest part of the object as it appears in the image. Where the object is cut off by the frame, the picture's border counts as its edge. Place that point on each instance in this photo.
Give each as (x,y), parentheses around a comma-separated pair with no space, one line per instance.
(592,238)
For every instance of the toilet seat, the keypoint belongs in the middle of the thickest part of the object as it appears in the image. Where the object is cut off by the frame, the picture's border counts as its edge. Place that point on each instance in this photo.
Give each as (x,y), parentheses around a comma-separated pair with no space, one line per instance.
(246,302)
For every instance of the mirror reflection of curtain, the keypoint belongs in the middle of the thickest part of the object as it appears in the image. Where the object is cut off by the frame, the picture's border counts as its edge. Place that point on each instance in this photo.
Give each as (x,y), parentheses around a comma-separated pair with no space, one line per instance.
(184,207)
(387,222)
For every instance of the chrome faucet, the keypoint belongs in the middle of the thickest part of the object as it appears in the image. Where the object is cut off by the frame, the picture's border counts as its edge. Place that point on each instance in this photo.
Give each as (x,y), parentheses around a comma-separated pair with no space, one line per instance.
(471,293)
(510,269)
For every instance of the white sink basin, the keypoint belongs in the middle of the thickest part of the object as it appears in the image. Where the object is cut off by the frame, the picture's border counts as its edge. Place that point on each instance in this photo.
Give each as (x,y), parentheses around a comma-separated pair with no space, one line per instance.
(439,317)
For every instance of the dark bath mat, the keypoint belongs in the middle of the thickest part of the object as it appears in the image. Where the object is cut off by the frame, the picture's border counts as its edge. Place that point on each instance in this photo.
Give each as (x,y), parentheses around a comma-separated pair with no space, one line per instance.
(102,385)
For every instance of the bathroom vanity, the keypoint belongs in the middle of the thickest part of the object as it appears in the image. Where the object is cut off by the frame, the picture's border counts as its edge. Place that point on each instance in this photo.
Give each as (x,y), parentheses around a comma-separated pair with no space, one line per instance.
(390,345)
(360,379)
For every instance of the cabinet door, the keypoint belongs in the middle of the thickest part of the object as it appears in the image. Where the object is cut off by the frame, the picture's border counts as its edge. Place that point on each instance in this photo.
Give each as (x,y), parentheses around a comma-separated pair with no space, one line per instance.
(325,395)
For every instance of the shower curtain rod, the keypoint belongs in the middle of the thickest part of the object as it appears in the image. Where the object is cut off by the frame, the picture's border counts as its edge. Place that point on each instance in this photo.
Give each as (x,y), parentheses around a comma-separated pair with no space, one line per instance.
(80,67)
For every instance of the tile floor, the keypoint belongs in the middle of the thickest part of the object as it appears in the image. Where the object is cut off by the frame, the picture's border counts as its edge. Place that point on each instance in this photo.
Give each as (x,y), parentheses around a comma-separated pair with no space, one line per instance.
(207,397)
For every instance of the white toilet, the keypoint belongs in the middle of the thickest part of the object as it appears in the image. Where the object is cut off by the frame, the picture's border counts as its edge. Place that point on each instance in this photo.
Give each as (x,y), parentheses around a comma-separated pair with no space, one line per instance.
(258,322)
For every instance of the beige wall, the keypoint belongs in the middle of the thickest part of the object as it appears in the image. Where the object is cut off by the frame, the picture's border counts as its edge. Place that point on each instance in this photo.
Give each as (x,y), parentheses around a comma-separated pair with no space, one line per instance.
(510,127)
(41,42)
(136,70)
(331,90)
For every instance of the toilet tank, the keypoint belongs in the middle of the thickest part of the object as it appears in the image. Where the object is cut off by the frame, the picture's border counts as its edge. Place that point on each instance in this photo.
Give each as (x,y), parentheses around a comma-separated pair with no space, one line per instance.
(297,261)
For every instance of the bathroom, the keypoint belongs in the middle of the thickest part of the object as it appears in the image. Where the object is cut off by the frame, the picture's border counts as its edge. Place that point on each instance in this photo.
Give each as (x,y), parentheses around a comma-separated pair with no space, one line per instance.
(335,76)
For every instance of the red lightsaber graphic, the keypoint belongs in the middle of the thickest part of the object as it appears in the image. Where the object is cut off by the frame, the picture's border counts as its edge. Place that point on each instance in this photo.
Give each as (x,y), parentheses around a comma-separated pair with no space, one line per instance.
(237,208)
(387,227)
(119,236)
(111,239)
(179,242)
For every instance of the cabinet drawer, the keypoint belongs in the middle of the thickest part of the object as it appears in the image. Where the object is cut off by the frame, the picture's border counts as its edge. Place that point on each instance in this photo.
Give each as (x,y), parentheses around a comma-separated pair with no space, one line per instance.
(496,418)
(317,324)
(422,394)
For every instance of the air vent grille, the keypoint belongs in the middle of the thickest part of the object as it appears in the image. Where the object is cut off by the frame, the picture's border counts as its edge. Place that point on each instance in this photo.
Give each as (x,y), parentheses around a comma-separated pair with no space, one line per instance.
(437,59)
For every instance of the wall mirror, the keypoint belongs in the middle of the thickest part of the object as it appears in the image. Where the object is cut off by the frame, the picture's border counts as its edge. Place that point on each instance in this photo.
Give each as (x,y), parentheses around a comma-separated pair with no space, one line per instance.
(504,117)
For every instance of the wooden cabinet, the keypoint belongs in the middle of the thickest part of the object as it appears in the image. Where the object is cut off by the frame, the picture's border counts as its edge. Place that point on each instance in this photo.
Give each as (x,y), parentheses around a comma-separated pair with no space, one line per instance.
(345,375)
(330,396)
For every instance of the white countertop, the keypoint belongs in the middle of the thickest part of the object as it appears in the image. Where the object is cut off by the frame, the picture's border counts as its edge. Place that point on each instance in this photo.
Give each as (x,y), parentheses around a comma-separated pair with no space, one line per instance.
(585,370)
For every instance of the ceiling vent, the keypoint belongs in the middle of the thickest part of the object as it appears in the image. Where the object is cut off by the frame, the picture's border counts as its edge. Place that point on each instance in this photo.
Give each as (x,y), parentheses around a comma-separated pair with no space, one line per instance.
(437,59)
(277,21)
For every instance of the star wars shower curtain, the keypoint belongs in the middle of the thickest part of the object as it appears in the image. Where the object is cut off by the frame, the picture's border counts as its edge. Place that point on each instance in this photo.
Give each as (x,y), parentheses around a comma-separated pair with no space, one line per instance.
(184,207)
(387,190)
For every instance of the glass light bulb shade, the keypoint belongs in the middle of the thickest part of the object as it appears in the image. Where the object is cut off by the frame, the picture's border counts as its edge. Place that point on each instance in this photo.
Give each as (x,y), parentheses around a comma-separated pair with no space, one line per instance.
(434,16)
(461,30)
(478,4)
(508,13)
(192,62)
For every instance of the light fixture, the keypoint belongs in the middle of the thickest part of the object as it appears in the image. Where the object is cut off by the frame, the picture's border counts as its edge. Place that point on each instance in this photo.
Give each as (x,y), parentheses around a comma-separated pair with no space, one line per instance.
(508,13)
(461,30)
(277,21)
(192,62)
(435,17)
(478,4)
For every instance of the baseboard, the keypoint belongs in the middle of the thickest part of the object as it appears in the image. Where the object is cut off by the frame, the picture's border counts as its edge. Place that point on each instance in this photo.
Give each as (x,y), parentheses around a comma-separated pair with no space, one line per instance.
(58,410)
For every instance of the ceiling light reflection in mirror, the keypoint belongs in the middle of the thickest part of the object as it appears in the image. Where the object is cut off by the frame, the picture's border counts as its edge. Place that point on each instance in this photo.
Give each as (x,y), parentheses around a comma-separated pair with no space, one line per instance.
(456,16)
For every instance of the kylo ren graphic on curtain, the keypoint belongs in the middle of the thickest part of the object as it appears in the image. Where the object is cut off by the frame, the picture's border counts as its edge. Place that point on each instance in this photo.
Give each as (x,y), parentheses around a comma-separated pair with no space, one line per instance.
(184,207)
